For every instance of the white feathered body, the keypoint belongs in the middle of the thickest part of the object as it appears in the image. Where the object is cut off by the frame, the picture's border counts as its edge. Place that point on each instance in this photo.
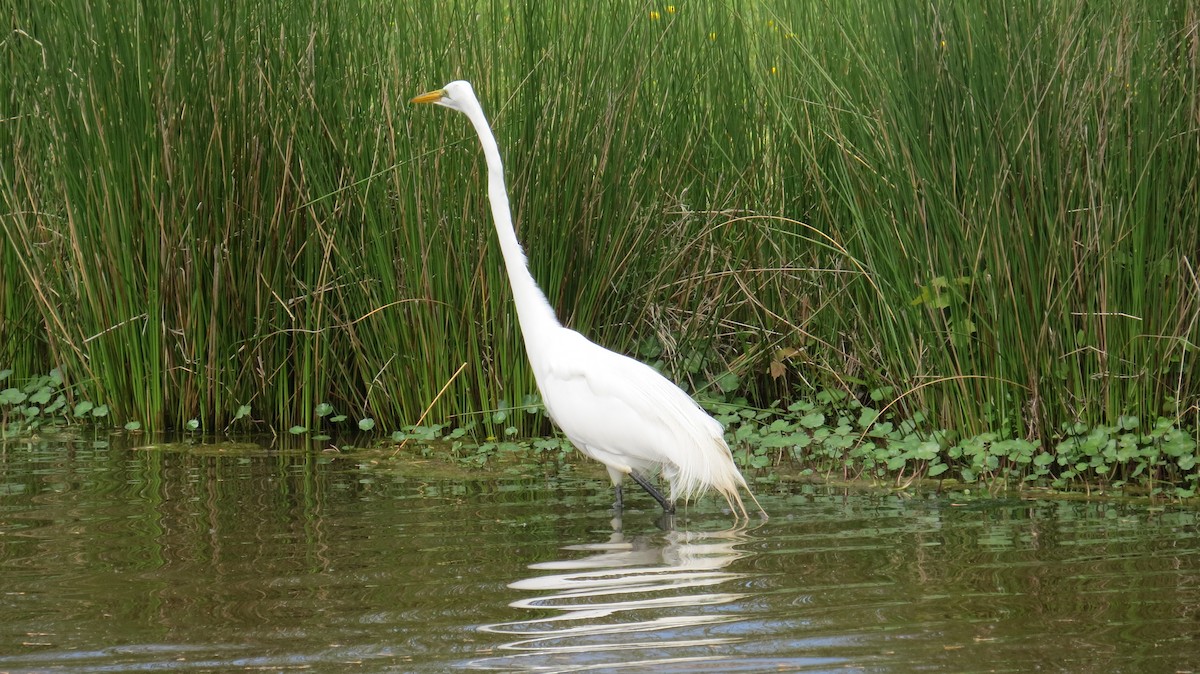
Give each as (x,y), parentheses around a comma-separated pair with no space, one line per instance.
(626,415)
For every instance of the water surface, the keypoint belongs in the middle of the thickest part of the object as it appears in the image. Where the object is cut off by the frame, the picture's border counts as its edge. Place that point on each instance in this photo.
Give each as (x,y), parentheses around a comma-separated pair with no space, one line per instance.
(124,559)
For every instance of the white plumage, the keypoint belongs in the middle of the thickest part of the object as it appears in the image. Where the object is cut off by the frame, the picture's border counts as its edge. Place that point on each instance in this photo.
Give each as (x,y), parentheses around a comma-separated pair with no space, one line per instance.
(613,408)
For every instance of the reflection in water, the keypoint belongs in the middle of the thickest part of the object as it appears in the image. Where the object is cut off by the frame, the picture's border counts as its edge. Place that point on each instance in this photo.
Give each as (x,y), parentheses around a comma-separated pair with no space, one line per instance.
(123,559)
(600,602)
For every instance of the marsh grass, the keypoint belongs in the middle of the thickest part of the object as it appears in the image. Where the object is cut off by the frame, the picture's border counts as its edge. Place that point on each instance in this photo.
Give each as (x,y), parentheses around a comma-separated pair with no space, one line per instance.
(989,210)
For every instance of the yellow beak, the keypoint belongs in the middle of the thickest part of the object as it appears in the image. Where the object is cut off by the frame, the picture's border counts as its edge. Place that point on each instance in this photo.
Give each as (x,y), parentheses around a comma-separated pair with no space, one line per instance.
(430,97)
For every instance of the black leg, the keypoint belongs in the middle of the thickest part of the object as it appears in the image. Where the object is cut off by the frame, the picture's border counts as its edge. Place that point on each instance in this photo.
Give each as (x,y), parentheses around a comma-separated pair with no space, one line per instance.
(666,521)
(619,502)
(667,506)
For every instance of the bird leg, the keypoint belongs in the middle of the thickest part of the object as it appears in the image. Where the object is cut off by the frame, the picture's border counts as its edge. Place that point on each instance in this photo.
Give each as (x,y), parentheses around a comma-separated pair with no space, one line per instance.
(666,522)
(667,506)
(619,501)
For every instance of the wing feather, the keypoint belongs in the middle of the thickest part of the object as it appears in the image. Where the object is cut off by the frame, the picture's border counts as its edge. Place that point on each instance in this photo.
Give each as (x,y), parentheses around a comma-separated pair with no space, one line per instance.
(626,415)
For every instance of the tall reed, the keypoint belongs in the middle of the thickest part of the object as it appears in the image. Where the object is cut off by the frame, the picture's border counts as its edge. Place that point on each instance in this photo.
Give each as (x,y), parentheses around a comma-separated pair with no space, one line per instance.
(991,209)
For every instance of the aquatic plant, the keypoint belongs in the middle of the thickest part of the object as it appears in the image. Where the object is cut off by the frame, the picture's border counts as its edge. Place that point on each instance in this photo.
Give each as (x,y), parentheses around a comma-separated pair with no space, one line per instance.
(988,212)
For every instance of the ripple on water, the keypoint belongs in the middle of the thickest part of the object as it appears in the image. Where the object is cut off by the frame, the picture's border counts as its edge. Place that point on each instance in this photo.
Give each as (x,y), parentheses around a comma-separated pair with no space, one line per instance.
(663,601)
(123,561)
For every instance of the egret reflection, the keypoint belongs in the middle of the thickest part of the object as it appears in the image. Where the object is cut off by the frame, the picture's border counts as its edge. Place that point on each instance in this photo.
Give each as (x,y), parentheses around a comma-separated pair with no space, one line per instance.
(666,593)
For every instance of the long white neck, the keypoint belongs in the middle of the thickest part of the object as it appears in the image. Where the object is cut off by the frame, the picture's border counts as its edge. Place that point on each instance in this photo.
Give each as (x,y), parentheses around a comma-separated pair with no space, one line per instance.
(533,309)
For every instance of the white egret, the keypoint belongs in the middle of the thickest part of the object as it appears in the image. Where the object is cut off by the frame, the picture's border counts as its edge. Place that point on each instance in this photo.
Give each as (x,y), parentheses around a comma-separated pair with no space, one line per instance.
(613,408)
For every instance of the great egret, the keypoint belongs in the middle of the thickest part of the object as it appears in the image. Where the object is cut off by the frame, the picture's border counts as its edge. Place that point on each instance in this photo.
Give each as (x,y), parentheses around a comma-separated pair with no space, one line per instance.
(613,408)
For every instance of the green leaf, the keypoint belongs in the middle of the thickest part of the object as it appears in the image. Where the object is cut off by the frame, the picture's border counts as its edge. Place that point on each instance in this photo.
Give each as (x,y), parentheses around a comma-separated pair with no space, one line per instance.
(867,417)
(812,420)
(324,409)
(961,331)
(83,408)
(936,469)
(243,411)
(35,384)
(192,424)
(934,294)
(298,430)
(5,373)
(800,406)
(42,396)
(366,424)
(12,396)
(776,441)
(743,432)
(1128,422)
(133,426)
(58,403)
(882,430)
(728,382)
(649,348)
(882,393)
(779,426)
(337,419)
(926,451)
(100,411)
(532,403)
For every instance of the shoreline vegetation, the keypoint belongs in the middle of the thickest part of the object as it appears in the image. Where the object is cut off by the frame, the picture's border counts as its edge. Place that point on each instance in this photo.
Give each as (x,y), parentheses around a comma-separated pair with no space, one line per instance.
(886,240)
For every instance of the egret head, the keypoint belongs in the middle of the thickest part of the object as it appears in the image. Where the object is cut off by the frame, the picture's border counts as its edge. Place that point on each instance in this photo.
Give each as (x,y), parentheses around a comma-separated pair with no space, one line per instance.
(456,96)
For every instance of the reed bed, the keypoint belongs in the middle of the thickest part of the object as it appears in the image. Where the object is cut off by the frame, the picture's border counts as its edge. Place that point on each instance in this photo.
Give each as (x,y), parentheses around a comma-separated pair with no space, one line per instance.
(987,211)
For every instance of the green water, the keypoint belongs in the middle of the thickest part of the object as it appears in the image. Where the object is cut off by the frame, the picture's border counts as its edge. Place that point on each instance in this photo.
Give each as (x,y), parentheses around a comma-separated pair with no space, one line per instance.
(120,559)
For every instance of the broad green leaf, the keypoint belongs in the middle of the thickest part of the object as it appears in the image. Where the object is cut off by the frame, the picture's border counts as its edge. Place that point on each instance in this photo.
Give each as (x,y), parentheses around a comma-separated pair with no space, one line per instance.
(728,382)
(867,417)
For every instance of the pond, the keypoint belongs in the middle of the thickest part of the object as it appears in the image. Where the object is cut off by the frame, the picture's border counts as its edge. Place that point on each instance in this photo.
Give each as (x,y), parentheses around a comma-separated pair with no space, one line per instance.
(212,560)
